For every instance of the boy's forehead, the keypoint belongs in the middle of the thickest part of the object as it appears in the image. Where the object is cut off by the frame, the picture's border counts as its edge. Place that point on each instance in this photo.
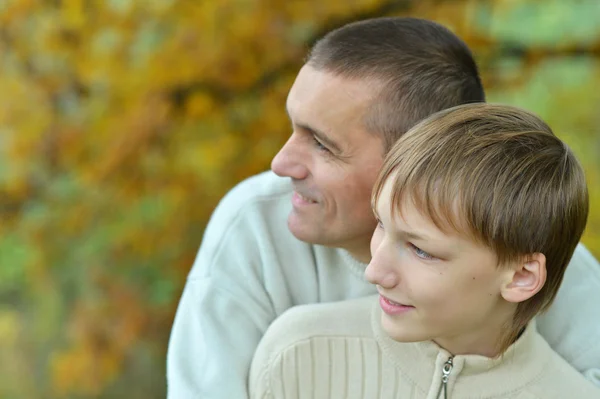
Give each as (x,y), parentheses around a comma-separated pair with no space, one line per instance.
(412,211)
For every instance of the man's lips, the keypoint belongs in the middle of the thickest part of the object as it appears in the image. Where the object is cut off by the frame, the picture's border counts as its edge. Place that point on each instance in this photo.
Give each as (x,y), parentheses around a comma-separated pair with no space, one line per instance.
(300,199)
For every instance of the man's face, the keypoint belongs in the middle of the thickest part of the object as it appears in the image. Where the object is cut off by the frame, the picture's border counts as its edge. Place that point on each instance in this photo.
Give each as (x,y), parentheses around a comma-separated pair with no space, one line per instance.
(332,160)
(434,285)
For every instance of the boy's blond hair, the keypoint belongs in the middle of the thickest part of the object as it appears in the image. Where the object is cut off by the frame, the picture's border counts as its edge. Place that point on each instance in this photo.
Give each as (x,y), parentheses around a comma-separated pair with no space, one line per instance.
(498,175)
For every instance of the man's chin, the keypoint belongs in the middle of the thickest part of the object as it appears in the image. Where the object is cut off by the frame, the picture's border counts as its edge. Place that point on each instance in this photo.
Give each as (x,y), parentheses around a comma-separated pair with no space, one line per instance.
(303,230)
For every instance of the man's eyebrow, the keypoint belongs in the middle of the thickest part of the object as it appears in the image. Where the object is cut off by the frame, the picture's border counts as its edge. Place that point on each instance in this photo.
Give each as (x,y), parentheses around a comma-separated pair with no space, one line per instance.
(332,145)
(322,137)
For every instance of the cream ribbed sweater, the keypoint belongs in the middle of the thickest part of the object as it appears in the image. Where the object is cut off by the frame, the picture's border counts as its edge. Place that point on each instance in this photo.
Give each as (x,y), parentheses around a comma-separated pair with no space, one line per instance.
(338,350)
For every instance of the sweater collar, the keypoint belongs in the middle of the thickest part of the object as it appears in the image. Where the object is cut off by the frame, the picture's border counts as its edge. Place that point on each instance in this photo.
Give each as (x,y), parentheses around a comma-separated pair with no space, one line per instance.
(422,362)
(356,267)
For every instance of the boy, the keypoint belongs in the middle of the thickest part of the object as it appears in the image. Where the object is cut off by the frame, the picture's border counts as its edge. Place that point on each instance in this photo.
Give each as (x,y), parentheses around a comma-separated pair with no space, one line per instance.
(480,208)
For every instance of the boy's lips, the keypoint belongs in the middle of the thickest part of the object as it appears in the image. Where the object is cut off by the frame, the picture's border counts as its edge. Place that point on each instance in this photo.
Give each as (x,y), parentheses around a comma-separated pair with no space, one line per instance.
(392,302)
(392,307)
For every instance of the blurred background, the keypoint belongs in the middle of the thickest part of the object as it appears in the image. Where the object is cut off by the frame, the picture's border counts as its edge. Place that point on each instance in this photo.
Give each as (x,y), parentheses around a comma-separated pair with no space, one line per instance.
(123,122)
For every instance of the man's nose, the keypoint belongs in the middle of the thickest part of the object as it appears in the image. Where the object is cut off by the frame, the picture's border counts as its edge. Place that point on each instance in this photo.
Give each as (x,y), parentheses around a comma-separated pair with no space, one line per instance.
(291,160)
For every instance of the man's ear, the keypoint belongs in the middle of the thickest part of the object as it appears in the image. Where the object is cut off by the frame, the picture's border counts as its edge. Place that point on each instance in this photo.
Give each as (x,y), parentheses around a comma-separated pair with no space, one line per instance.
(526,278)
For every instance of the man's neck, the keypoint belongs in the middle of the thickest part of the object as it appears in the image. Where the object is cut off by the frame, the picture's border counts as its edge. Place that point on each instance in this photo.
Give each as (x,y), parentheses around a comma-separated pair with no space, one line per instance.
(360,253)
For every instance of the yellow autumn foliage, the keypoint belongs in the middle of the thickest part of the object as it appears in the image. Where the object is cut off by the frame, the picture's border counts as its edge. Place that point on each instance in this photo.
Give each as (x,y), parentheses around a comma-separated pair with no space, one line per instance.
(122,123)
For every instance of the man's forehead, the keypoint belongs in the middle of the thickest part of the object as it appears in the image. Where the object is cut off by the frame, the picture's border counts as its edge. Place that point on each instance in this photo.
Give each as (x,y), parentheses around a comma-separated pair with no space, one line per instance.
(321,85)
(332,103)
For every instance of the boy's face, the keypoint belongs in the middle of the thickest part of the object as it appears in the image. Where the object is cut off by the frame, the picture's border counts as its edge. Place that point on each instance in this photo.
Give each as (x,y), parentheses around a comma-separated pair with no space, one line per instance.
(332,160)
(450,285)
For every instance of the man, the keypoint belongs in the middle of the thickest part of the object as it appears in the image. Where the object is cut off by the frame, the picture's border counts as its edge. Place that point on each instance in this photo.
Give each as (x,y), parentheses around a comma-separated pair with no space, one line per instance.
(274,243)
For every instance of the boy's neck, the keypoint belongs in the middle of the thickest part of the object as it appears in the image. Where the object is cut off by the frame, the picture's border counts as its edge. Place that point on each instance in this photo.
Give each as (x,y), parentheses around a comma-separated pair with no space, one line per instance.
(485,341)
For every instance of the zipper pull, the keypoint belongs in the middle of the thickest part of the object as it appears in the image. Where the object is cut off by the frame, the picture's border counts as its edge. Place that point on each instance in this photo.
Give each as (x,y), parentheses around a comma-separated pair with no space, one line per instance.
(446,370)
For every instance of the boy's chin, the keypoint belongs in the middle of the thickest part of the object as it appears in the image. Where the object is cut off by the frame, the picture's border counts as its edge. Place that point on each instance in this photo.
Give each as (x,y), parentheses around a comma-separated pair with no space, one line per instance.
(402,331)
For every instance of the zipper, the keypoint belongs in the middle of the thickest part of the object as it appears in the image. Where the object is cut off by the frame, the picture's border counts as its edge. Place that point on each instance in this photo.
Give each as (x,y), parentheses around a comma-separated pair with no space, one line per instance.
(446,370)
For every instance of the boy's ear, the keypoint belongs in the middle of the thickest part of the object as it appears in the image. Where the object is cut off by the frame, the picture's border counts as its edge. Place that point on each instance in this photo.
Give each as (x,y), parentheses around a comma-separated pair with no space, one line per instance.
(525,279)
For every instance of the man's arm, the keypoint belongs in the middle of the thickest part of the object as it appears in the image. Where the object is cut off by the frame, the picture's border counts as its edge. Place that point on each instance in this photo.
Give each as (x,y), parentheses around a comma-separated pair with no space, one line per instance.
(572,324)
(226,307)
(213,339)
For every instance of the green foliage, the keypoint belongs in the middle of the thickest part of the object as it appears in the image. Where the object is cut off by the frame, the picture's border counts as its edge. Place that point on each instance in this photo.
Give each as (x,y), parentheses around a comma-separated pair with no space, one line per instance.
(122,124)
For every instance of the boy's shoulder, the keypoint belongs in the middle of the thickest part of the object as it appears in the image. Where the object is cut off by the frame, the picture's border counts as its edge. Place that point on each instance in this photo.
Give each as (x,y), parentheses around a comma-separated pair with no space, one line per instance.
(349,318)
(319,334)
(304,323)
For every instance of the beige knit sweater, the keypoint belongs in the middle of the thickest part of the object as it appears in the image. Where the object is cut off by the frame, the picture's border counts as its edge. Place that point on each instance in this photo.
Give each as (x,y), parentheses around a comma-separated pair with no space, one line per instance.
(338,350)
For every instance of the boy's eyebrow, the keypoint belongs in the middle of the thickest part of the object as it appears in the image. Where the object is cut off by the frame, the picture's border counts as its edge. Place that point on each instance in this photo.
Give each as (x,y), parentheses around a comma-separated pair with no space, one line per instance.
(375,213)
(414,236)
(323,138)
(411,235)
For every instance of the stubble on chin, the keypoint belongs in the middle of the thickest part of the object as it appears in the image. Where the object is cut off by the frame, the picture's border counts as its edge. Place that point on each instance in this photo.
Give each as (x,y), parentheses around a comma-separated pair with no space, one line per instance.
(304,229)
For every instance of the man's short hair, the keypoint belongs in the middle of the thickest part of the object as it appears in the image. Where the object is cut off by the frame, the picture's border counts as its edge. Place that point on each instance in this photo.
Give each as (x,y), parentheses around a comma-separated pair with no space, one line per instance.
(420,66)
(498,175)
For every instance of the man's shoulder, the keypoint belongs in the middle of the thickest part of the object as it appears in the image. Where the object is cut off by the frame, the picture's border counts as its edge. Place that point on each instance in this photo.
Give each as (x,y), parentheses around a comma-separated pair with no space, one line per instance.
(583,259)
(258,200)
(266,186)
(561,380)
(570,325)
(247,219)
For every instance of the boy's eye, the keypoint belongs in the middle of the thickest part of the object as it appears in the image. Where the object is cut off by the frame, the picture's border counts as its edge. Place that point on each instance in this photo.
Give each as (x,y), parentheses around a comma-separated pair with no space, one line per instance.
(379,224)
(420,253)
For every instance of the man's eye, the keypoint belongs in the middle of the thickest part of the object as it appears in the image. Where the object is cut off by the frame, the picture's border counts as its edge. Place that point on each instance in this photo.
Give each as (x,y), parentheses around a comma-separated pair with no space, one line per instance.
(420,253)
(379,224)
(320,146)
